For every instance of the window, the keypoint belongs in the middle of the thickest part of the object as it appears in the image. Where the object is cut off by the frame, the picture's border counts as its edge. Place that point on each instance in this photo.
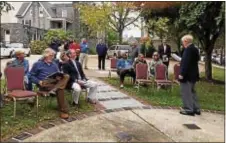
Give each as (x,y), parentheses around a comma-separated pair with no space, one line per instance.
(40,11)
(31,12)
(29,22)
(7,32)
(64,13)
(26,22)
(23,22)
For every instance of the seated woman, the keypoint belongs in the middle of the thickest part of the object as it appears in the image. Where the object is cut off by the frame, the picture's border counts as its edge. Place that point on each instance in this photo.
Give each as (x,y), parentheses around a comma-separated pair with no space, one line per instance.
(154,62)
(125,67)
(139,60)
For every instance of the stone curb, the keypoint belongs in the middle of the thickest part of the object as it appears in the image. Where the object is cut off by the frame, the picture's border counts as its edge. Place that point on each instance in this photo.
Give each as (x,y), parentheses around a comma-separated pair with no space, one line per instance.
(26,134)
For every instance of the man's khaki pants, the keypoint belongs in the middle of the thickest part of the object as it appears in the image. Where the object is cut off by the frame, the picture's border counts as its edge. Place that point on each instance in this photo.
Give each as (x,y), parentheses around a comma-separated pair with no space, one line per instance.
(83,59)
(59,86)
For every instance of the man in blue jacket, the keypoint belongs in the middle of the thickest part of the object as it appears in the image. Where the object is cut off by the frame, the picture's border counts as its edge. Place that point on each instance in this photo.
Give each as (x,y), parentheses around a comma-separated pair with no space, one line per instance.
(189,75)
(101,50)
(84,53)
(39,76)
(125,67)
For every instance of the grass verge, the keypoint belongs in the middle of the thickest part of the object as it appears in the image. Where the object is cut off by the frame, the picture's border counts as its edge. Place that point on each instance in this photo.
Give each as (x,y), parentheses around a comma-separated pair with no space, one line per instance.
(26,115)
(211,96)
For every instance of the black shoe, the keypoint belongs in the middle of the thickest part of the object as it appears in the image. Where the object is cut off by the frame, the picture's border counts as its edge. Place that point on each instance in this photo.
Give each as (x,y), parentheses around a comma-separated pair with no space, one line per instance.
(76,105)
(187,113)
(197,112)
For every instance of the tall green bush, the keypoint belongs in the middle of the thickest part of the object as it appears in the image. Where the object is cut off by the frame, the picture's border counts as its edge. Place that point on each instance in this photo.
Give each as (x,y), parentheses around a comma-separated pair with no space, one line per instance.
(58,34)
(38,46)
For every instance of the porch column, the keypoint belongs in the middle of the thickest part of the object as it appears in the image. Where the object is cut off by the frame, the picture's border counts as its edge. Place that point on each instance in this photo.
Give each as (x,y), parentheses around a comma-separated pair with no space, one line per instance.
(64,25)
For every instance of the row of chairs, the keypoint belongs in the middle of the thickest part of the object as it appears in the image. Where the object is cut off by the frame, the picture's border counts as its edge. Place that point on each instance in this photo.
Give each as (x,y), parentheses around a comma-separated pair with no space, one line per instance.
(142,74)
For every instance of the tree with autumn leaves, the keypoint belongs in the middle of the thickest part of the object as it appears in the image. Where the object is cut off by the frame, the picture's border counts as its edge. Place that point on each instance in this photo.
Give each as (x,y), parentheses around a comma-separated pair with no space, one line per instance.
(106,16)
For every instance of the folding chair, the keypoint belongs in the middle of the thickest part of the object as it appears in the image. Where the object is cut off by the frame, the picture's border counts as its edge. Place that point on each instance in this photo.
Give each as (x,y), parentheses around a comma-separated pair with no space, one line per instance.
(176,73)
(161,77)
(142,74)
(15,86)
(113,66)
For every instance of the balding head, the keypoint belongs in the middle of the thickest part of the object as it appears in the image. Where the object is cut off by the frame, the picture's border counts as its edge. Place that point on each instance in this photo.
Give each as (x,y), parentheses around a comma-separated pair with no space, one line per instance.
(187,40)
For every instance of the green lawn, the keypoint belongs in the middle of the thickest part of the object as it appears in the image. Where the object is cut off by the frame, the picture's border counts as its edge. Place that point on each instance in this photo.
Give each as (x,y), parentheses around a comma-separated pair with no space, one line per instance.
(26,115)
(211,96)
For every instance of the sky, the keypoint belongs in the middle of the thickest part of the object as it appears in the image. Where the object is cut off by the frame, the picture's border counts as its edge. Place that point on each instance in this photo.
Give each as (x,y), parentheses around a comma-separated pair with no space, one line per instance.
(10,18)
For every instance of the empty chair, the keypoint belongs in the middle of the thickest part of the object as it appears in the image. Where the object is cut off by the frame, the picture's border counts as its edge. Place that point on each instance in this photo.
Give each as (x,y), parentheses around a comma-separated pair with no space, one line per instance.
(142,74)
(113,66)
(15,86)
(176,73)
(161,76)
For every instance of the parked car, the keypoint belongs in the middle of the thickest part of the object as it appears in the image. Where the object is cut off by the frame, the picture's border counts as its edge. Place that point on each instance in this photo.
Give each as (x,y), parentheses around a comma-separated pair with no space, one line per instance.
(19,46)
(6,51)
(118,50)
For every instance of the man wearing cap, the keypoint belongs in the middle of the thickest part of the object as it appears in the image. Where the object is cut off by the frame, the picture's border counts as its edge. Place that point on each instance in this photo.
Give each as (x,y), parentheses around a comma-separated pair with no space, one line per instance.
(20,61)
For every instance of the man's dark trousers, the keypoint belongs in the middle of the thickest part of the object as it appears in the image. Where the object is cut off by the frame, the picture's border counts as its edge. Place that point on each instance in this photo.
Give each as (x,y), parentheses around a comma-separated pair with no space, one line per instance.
(189,96)
(101,59)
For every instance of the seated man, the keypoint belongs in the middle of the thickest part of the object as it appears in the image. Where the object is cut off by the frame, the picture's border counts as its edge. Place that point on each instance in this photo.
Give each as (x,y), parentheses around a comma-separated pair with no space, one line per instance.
(39,73)
(124,67)
(154,62)
(139,60)
(77,78)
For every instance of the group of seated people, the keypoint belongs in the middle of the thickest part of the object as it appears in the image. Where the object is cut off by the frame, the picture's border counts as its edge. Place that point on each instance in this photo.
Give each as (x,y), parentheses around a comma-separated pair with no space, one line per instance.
(126,66)
(73,77)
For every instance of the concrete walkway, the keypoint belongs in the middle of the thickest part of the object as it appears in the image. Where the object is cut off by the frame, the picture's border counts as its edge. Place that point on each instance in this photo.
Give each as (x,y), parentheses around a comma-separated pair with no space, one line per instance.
(136,125)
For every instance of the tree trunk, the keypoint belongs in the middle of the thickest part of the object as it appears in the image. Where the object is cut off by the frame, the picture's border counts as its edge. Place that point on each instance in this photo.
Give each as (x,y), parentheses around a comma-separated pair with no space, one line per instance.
(120,36)
(208,64)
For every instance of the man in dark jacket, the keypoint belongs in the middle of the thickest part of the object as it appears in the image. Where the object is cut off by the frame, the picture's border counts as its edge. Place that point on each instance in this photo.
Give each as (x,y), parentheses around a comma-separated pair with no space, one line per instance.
(189,75)
(77,78)
(164,51)
(101,50)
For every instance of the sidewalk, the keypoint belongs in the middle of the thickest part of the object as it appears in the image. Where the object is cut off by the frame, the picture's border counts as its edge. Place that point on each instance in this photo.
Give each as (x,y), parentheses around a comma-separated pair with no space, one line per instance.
(126,119)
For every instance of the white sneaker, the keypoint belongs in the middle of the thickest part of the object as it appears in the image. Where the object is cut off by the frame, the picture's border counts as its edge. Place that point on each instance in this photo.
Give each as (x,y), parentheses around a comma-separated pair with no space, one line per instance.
(121,86)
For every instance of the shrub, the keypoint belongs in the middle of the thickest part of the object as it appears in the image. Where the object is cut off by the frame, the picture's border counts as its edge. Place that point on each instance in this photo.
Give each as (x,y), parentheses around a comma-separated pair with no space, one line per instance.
(58,34)
(92,51)
(38,46)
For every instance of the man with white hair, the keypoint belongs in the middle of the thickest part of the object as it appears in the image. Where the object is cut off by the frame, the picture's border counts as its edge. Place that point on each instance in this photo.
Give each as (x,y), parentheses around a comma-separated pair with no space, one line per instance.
(189,75)
(84,53)
(39,75)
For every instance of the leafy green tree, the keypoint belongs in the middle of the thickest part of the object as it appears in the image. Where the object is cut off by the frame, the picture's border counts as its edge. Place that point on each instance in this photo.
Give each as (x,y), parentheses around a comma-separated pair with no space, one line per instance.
(5,7)
(108,15)
(206,20)
(158,26)
(58,34)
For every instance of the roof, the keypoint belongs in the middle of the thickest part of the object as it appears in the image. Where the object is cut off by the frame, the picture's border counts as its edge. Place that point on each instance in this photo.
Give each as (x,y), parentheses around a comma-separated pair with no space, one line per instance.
(22,9)
(54,10)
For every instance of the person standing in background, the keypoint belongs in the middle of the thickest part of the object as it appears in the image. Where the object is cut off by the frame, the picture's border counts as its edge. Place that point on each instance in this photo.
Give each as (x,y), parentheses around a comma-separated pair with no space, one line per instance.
(164,51)
(84,53)
(101,50)
(189,75)
(135,51)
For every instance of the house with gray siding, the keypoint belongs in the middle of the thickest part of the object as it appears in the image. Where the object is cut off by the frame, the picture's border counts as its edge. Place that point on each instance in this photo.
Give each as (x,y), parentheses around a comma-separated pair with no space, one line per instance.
(45,15)
(34,19)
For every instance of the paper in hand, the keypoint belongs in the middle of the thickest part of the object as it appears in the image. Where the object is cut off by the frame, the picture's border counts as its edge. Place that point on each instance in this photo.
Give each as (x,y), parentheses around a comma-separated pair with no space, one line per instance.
(177,58)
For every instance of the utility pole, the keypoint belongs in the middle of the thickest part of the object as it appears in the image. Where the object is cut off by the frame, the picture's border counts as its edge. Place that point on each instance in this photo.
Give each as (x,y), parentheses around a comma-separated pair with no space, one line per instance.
(76,20)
